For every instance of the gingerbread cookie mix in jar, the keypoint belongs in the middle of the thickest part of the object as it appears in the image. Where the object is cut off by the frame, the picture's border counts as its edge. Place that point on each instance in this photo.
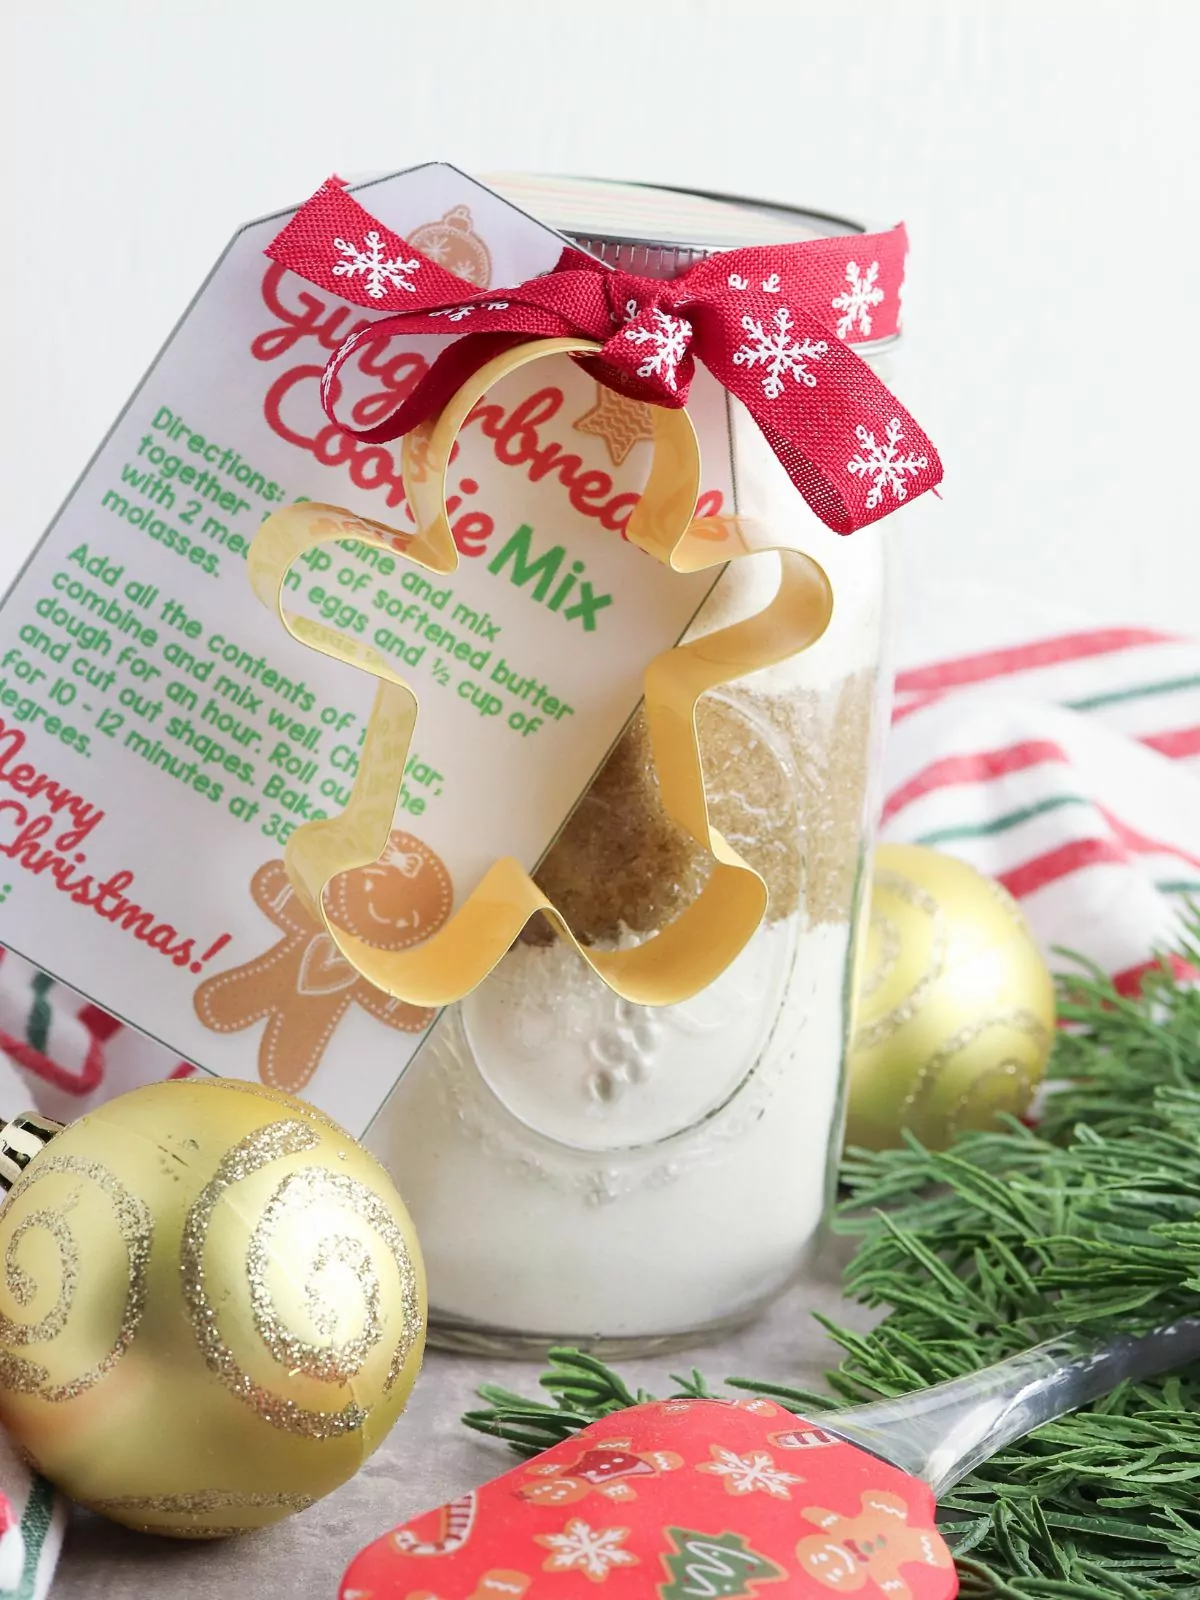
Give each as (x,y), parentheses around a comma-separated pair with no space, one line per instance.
(581,1167)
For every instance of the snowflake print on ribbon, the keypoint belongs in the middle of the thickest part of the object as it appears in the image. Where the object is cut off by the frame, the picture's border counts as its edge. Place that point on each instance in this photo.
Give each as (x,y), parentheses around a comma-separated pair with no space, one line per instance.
(369,262)
(778,353)
(884,464)
(771,285)
(856,300)
(457,313)
(668,337)
(592,1551)
(755,1473)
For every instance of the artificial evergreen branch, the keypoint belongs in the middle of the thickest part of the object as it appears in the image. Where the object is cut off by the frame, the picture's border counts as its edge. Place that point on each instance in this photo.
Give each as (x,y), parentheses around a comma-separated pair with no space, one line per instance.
(1091,1221)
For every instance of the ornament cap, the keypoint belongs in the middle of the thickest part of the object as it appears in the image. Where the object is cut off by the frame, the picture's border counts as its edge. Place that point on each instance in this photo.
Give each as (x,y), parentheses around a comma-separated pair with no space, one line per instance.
(21,1140)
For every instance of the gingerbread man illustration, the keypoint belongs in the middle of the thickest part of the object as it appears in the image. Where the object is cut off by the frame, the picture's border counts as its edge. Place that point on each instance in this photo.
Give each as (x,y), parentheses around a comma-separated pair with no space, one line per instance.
(302,985)
(871,1548)
(605,1470)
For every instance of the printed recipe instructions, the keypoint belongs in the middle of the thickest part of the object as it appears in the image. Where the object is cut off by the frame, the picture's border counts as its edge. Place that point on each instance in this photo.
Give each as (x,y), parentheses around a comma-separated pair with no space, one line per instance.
(161,735)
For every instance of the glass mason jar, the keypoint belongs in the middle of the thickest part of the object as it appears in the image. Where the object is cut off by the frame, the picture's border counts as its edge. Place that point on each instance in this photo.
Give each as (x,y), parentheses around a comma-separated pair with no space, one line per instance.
(580,1168)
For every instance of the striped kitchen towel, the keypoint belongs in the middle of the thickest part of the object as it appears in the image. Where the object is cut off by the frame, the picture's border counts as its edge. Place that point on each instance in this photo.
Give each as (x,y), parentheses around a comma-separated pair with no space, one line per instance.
(32,1518)
(71,1055)
(1069,769)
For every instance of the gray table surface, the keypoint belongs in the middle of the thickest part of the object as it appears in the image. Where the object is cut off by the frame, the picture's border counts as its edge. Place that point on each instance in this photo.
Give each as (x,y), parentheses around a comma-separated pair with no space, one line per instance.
(429,1457)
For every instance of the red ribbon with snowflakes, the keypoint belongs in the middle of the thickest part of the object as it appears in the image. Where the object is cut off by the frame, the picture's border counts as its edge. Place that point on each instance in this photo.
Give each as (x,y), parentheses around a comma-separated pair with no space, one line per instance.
(774,324)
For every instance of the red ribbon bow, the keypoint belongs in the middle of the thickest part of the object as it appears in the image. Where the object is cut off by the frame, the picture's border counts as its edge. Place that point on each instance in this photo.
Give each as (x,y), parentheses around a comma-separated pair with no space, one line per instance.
(770,322)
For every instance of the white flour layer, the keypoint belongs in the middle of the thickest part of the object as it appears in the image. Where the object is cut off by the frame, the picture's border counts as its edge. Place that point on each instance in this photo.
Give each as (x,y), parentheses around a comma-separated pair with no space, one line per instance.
(576,1166)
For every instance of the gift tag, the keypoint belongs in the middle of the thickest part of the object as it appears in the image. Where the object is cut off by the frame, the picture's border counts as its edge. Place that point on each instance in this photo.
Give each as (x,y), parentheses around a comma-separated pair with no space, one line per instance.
(160,734)
(680,1500)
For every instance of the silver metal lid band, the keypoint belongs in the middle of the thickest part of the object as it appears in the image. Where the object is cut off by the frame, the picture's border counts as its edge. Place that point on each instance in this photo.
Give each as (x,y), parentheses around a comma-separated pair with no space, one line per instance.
(646,258)
(662,259)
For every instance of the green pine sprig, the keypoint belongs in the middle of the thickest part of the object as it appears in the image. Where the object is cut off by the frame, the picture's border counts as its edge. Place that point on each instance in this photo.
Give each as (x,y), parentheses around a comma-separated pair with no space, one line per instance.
(1090,1221)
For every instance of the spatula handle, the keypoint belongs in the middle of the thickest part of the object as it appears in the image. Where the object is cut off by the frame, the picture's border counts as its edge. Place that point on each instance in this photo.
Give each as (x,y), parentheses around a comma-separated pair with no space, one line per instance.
(942,1434)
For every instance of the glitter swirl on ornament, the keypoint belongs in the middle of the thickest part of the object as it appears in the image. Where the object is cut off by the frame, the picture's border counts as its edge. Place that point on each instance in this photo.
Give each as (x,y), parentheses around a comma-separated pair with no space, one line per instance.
(956,1015)
(874,1033)
(329,1213)
(203,1502)
(1006,1085)
(888,935)
(340,1359)
(132,1221)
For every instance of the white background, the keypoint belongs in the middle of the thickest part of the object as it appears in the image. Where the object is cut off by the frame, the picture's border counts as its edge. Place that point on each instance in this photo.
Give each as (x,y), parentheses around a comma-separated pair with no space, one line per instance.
(1043,152)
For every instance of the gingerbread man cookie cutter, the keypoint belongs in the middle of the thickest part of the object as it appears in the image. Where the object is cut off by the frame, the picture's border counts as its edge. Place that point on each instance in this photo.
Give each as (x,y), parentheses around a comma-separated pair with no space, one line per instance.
(693,950)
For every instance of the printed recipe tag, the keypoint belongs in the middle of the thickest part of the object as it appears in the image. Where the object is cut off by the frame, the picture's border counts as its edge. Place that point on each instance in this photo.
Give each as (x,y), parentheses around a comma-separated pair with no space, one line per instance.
(161,735)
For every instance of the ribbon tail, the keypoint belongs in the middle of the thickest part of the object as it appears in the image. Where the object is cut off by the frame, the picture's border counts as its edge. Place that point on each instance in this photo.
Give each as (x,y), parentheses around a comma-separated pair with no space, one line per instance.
(849,446)
(338,245)
(847,509)
(821,490)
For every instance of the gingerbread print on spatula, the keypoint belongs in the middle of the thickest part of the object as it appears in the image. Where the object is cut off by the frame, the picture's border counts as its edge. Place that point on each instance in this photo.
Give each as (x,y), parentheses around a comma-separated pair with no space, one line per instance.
(756,1498)
(675,1500)
(302,986)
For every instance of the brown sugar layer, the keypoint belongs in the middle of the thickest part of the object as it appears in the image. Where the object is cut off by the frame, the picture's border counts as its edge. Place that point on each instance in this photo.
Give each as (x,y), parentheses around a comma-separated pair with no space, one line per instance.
(832,739)
(620,860)
(786,780)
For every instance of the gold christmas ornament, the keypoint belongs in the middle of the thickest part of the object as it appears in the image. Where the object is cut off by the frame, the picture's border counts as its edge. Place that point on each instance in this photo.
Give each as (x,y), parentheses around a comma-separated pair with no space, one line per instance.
(955,1013)
(212,1307)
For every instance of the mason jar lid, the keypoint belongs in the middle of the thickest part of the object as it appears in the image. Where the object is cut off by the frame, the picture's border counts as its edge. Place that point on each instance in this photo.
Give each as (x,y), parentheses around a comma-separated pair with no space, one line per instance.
(653,229)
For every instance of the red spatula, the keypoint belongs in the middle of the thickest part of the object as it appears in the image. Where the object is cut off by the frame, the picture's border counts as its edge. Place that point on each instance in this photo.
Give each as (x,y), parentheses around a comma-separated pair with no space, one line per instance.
(699,1499)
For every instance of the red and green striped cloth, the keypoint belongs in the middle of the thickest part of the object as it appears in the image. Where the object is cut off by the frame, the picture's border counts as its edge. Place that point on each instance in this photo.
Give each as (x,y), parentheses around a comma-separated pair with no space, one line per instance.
(32,1518)
(1069,769)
